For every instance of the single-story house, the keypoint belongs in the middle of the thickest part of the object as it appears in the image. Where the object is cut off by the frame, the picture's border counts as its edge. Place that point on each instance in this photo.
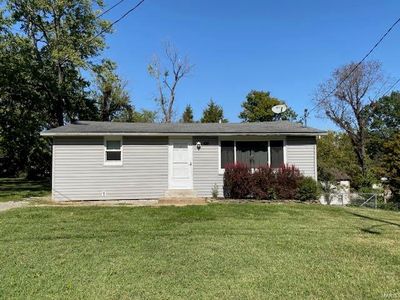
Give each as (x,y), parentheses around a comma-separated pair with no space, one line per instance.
(114,160)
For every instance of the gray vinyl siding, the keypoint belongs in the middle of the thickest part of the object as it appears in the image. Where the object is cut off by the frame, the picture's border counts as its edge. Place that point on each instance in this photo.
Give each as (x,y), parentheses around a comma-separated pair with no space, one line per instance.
(301,152)
(80,173)
(205,166)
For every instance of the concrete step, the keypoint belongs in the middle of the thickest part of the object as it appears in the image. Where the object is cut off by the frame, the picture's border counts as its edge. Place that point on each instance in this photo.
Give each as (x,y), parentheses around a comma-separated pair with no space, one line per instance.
(182,201)
(180,193)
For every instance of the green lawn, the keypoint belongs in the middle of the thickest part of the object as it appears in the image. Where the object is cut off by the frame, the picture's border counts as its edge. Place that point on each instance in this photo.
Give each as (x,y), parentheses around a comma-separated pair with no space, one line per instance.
(15,189)
(241,251)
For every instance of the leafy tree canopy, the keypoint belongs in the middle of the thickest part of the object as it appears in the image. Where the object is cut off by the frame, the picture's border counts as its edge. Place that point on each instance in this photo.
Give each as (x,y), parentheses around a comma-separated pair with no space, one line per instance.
(65,37)
(45,45)
(112,99)
(22,106)
(144,116)
(391,162)
(383,126)
(385,116)
(336,158)
(258,108)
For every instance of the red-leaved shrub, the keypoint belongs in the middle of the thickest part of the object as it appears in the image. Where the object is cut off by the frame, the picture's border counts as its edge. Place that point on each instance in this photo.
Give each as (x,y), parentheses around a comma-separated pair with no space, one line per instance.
(287,182)
(263,183)
(237,181)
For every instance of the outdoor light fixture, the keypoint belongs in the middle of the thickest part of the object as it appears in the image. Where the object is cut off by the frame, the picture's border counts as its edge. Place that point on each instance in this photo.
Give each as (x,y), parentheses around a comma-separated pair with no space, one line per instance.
(198,145)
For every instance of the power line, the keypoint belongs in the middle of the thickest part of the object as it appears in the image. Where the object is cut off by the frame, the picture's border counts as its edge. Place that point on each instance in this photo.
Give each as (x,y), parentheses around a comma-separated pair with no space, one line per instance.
(113,23)
(387,91)
(380,90)
(116,21)
(112,7)
(360,62)
(391,87)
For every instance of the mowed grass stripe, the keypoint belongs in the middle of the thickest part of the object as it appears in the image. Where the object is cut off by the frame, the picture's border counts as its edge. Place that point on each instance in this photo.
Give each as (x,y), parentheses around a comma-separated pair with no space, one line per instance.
(214,251)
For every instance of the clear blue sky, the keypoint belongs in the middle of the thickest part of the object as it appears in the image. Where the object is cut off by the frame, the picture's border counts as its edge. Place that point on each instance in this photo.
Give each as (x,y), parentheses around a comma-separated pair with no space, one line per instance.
(286,47)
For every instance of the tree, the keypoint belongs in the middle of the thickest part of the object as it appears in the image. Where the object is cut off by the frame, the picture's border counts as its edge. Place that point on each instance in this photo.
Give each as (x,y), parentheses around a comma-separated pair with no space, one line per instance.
(112,99)
(65,36)
(383,124)
(347,106)
(22,106)
(336,158)
(213,113)
(144,116)
(391,161)
(258,108)
(187,116)
(385,116)
(44,47)
(168,79)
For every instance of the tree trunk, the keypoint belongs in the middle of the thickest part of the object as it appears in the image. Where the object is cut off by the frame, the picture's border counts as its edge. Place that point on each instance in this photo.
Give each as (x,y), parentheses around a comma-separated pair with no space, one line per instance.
(359,150)
(105,110)
(60,100)
(363,162)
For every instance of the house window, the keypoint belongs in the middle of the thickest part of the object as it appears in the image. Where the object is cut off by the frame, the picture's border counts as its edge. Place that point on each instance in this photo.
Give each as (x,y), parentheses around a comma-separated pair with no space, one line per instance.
(227,153)
(276,148)
(253,154)
(113,151)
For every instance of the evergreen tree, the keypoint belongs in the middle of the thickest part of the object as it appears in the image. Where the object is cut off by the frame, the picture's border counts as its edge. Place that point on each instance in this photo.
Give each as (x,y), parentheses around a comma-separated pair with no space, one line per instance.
(187,116)
(258,108)
(213,113)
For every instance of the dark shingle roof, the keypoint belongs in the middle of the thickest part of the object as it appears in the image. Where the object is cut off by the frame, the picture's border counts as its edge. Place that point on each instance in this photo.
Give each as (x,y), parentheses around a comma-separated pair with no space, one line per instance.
(120,128)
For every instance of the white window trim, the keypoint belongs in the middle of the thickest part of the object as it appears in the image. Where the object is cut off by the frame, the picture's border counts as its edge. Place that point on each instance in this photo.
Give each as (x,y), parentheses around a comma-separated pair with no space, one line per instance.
(113,162)
(284,152)
(252,139)
(315,162)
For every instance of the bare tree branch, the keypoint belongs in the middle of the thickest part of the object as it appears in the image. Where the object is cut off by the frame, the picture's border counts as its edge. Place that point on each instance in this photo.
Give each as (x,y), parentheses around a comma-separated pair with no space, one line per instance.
(167,84)
(346,107)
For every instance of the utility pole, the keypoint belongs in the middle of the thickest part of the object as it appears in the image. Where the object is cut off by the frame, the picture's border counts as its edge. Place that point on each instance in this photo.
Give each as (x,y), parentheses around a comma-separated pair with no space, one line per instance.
(306,114)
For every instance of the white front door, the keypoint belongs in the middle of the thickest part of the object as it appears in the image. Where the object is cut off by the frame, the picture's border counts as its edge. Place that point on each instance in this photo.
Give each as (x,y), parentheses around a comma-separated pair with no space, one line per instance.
(180,163)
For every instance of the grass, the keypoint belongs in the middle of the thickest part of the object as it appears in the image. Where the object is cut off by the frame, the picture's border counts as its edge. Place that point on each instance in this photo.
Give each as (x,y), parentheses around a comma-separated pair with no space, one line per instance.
(235,251)
(15,189)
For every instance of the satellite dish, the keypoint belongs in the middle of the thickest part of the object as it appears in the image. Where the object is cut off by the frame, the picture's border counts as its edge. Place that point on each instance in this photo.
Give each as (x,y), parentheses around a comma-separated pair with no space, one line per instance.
(278,109)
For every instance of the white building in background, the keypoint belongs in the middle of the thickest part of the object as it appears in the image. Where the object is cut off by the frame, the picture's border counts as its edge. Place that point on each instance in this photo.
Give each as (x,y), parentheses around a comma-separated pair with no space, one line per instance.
(340,193)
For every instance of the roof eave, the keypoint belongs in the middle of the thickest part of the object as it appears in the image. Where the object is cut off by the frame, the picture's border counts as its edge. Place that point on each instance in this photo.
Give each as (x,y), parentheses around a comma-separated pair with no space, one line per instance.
(67,134)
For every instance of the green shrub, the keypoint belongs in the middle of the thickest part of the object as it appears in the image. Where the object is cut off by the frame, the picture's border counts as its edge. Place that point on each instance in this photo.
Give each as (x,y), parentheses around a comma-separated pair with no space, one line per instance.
(389,206)
(308,189)
(368,190)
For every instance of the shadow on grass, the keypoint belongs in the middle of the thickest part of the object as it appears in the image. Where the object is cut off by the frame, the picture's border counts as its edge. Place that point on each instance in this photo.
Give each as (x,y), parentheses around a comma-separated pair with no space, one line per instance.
(16,184)
(374,219)
(17,188)
(372,229)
